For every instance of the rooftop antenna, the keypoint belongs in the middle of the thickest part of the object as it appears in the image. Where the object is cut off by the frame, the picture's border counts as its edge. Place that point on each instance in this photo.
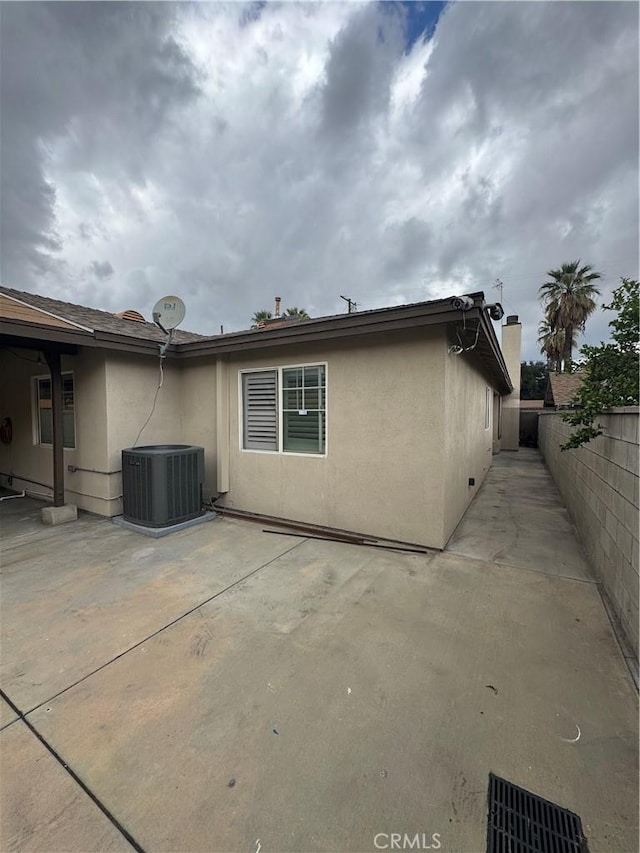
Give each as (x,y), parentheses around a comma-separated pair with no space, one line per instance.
(168,313)
(498,286)
(352,305)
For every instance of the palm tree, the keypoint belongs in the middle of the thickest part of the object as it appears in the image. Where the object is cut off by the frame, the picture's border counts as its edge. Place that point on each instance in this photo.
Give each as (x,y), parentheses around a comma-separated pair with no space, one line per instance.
(259,317)
(298,313)
(551,342)
(569,300)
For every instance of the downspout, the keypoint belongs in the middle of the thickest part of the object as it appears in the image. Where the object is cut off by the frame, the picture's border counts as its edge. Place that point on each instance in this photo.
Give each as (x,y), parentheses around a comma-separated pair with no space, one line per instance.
(222,424)
(55,368)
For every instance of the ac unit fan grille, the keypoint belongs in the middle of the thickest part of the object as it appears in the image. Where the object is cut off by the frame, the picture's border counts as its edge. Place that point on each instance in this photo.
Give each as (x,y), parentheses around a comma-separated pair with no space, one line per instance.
(162,485)
(182,499)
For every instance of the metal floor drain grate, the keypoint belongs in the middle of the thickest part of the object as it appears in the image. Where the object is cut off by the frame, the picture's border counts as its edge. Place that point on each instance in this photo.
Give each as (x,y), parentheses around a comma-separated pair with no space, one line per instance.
(521,822)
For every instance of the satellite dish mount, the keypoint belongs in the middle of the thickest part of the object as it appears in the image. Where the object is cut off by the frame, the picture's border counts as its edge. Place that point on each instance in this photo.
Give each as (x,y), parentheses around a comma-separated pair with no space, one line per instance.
(168,313)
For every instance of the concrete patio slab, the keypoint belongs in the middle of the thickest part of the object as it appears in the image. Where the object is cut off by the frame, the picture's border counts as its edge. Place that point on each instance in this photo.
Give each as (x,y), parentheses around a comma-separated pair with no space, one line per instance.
(71,604)
(301,695)
(7,714)
(342,693)
(517,513)
(43,808)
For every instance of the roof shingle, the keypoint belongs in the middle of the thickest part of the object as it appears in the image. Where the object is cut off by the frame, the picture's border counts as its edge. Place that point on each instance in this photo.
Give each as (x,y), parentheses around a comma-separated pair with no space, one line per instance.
(97,320)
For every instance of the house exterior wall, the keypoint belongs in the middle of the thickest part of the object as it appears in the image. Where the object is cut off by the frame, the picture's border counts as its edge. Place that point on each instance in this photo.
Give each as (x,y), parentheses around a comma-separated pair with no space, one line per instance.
(198,392)
(382,474)
(131,383)
(405,431)
(468,444)
(599,484)
(25,460)
(113,397)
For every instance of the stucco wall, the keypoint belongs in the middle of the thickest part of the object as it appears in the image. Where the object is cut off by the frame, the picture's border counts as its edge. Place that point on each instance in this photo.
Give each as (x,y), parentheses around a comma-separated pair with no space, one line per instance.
(468,446)
(25,460)
(382,474)
(198,405)
(131,383)
(599,483)
(114,394)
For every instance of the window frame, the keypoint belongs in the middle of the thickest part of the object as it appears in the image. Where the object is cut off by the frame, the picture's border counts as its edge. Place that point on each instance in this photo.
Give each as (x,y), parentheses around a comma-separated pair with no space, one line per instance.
(279,420)
(35,409)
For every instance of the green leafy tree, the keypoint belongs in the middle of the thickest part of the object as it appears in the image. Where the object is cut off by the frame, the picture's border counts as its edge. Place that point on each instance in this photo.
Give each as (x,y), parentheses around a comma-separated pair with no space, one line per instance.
(298,313)
(569,300)
(533,380)
(259,317)
(611,370)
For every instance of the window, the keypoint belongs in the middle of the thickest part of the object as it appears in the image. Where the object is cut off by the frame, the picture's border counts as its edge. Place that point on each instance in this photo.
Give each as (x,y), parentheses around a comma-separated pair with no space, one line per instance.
(43,426)
(284,409)
(487,407)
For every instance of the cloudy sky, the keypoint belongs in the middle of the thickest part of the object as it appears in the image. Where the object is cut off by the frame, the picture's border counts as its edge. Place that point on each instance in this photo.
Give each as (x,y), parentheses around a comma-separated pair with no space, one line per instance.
(388,152)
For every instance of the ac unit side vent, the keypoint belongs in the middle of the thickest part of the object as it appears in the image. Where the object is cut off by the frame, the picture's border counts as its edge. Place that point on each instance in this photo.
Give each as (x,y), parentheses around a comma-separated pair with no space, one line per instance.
(162,484)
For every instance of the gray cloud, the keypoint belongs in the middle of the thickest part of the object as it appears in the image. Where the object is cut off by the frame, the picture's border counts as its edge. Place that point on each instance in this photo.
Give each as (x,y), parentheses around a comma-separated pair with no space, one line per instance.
(102,269)
(359,69)
(101,79)
(230,153)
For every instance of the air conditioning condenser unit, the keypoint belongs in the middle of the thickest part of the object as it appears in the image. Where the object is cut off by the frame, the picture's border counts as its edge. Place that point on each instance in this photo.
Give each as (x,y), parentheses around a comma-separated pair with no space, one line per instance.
(162,484)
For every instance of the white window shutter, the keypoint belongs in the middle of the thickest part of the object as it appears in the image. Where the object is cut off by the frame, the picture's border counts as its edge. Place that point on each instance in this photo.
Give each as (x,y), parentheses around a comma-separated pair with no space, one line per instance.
(260,397)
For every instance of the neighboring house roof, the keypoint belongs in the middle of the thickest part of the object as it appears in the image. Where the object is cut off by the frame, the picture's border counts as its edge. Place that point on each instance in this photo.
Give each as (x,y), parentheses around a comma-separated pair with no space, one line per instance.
(89,319)
(562,389)
(531,404)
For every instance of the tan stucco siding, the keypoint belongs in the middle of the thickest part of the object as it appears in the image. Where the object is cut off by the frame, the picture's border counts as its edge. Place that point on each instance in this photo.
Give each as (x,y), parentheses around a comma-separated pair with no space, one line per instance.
(26,460)
(12,310)
(88,490)
(131,383)
(198,404)
(468,444)
(113,397)
(382,473)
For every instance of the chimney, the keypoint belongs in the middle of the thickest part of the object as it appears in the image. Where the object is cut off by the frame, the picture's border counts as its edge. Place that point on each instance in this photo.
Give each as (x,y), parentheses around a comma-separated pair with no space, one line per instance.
(511,345)
(277,311)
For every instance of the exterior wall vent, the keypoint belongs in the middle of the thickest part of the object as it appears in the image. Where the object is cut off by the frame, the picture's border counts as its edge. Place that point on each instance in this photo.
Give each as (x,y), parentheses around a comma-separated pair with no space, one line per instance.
(162,484)
(130,314)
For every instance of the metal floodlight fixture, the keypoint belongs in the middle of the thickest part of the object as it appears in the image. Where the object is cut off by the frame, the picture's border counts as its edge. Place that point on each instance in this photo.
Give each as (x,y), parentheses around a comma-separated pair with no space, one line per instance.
(496,311)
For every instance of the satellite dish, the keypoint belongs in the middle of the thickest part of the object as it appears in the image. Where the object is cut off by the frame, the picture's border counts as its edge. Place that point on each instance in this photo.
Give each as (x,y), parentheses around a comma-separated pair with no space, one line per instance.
(168,312)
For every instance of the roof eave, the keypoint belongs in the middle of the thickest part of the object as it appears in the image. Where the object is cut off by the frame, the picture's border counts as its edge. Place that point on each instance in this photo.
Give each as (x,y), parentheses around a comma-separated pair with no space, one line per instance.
(34,333)
(438,312)
(348,325)
(503,380)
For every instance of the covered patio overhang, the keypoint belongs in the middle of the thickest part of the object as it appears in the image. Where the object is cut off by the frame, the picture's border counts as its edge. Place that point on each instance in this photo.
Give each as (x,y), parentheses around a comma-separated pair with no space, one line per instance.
(52,350)
(53,342)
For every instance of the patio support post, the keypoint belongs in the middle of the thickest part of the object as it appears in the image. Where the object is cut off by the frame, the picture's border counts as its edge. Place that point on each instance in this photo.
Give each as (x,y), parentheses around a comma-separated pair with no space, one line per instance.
(55,368)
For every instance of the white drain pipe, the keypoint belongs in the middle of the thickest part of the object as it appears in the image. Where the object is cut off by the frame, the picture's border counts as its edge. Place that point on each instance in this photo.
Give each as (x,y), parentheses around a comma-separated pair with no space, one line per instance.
(9,497)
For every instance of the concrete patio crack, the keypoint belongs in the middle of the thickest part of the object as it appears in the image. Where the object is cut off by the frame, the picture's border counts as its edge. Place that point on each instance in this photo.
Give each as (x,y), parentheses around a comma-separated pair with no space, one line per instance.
(71,772)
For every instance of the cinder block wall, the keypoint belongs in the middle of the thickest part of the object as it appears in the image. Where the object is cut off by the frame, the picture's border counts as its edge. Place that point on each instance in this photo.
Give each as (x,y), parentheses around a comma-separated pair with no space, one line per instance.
(599,483)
